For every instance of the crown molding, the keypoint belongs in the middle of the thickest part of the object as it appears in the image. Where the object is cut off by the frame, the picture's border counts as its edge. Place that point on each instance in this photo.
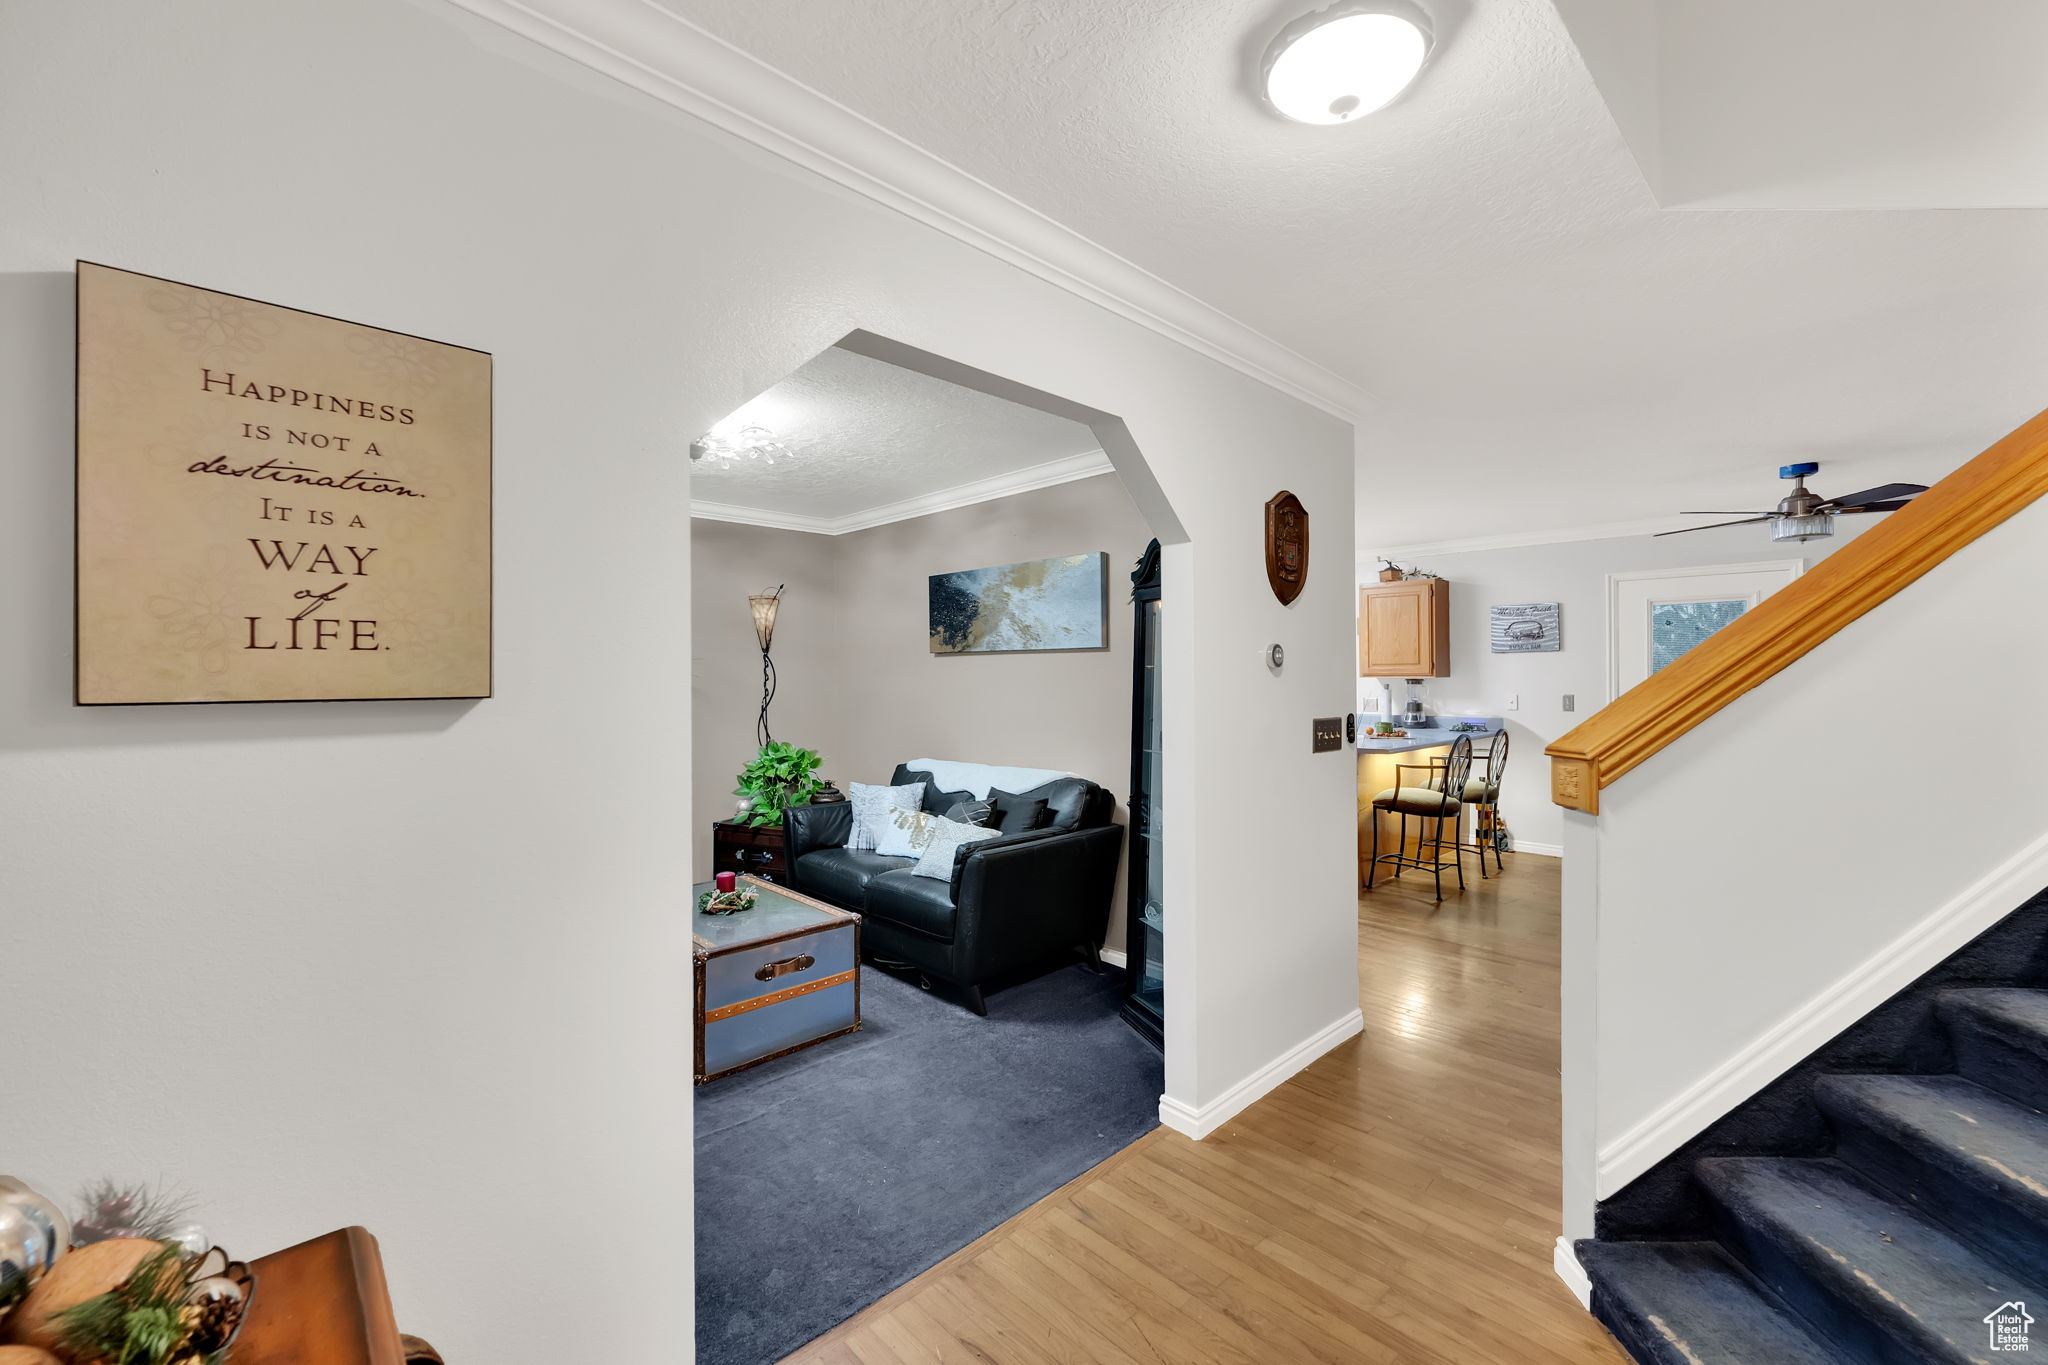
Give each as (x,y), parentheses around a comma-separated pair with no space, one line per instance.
(1083,466)
(761,516)
(662,54)
(1612,530)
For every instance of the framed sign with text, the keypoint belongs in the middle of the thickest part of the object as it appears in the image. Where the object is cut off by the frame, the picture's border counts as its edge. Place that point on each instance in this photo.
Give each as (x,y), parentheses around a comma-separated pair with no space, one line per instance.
(275,505)
(1524,628)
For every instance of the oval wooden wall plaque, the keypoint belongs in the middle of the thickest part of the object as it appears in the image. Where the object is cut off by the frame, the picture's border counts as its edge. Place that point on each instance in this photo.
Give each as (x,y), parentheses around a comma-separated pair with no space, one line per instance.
(1286,546)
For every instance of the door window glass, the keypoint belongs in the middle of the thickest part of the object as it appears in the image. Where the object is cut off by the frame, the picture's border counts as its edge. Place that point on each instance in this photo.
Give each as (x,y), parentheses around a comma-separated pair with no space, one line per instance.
(1676,627)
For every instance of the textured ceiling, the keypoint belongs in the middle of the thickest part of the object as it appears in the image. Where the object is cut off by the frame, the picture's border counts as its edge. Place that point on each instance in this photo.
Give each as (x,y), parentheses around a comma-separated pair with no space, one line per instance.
(1870,104)
(868,434)
(1544,347)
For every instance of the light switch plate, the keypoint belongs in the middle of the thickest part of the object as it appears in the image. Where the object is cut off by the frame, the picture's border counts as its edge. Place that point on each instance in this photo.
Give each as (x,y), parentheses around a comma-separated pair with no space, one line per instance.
(1329,734)
(1571,702)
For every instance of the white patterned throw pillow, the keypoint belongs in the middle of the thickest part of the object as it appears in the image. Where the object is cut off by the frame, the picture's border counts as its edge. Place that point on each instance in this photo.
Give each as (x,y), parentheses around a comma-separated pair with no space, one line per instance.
(905,833)
(943,841)
(871,805)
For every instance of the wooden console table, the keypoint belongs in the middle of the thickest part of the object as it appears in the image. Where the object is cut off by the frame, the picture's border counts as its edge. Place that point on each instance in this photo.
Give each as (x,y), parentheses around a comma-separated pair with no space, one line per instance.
(324,1302)
(750,850)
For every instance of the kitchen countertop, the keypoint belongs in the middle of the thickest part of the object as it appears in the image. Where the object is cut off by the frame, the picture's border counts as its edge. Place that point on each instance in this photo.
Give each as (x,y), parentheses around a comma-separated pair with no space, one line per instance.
(1434,738)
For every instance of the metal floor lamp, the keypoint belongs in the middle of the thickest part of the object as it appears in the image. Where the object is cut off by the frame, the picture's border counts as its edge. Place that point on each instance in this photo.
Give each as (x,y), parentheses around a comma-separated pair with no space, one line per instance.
(764,606)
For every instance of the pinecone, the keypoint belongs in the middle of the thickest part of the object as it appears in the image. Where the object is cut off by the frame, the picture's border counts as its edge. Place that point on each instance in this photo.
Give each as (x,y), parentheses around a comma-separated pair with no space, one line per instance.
(213,1323)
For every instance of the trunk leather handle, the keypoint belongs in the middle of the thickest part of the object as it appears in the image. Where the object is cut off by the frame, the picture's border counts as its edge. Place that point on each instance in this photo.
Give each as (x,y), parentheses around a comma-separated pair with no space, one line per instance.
(802,962)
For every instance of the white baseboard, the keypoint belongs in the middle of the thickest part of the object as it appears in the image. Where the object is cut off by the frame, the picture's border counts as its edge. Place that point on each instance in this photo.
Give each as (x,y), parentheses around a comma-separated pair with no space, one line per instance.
(1199,1122)
(1540,850)
(1892,968)
(1115,957)
(1565,1262)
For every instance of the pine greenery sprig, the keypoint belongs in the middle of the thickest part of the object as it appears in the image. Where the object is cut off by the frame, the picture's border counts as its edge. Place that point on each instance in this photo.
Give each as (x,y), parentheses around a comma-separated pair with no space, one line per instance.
(140,1322)
(110,1209)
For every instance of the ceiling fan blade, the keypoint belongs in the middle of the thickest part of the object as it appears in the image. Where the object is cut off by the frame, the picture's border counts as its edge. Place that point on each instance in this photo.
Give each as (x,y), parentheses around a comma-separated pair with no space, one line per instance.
(1750,513)
(1892,506)
(1884,492)
(1711,525)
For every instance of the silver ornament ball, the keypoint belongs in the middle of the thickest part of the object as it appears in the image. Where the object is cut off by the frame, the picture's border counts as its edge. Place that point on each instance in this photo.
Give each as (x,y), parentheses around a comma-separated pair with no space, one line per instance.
(34,1233)
(216,1287)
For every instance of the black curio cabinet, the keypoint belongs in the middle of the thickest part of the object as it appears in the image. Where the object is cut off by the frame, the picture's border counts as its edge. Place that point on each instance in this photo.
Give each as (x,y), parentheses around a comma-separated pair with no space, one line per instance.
(1144,1006)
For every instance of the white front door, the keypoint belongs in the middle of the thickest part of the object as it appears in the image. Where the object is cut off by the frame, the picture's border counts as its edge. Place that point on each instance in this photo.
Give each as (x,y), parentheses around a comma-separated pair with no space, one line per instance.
(1655,615)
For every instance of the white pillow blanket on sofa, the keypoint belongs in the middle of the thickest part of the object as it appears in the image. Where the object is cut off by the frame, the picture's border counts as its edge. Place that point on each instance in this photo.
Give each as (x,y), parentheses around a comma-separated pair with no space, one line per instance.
(871,805)
(944,839)
(904,832)
(980,778)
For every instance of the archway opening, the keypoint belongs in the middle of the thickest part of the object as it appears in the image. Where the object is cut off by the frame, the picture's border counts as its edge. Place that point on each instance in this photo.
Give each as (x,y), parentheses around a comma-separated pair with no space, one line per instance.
(920,715)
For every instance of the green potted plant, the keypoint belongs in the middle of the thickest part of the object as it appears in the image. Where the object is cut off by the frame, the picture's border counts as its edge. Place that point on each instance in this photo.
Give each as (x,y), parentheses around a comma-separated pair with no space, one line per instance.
(780,776)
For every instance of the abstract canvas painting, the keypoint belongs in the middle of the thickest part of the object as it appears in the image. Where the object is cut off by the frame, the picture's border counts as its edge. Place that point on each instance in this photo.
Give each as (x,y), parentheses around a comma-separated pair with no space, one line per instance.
(1039,604)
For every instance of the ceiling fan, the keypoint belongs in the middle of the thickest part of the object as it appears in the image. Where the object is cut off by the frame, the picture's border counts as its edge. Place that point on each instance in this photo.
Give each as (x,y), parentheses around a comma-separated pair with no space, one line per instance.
(1808,516)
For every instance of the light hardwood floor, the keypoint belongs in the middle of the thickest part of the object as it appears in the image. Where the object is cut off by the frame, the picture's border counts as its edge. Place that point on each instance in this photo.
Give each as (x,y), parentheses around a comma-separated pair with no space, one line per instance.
(1395,1202)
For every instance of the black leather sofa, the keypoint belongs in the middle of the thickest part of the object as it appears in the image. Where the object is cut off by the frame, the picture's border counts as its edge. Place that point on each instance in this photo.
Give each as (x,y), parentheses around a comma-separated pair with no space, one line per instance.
(1016,901)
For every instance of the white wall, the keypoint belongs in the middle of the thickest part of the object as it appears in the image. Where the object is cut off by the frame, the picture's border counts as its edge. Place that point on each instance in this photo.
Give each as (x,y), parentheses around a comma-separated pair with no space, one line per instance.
(1574,575)
(444,942)
(1787,865)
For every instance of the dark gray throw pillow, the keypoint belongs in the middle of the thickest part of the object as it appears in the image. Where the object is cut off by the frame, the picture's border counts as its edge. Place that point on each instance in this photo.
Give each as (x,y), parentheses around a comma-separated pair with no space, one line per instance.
(1016,814)
(971,812)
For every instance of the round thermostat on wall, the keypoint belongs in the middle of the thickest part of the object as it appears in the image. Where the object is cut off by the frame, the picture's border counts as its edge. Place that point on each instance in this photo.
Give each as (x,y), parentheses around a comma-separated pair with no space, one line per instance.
(1275,656)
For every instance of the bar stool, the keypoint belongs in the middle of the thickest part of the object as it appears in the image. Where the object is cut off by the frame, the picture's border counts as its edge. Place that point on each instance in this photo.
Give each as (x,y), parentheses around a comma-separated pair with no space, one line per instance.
(1482,792)
(1439,799)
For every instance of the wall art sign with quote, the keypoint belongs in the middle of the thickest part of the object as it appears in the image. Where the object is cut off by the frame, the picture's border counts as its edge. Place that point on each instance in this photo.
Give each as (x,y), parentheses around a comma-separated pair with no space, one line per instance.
(1525,628)
(275,505)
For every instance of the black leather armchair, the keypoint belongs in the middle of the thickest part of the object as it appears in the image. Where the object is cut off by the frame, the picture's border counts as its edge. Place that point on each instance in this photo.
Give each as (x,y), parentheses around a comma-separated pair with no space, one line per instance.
(1014,902)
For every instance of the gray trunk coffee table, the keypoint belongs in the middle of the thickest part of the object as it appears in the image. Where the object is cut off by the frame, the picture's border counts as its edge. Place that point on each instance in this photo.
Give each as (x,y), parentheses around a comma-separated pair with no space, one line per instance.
(772,980)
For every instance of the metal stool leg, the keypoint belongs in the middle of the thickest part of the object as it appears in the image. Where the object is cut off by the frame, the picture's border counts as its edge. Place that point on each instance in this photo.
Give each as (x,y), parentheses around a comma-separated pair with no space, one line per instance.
(1401,849)
(1372,868)
(1436,858)
(1457,848)
(1478,837)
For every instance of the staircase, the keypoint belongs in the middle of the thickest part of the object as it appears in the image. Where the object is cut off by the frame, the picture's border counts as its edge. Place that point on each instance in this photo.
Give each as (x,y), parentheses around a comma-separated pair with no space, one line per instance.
(1931,1213)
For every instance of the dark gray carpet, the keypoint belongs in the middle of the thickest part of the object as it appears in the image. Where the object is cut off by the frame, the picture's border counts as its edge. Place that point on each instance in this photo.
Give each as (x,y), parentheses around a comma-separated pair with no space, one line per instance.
(827,1178)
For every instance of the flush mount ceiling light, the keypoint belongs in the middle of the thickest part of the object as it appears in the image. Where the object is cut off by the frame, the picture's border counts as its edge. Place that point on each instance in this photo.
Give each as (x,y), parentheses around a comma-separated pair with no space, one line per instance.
(744,446)
(1342,63)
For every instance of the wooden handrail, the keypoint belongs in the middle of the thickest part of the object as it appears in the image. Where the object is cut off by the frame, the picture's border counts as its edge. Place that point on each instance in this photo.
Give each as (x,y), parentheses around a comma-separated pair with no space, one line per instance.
(1784,626)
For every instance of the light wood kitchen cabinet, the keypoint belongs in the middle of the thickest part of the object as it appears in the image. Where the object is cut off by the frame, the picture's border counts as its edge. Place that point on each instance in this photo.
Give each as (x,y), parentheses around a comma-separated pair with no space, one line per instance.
(1404,629)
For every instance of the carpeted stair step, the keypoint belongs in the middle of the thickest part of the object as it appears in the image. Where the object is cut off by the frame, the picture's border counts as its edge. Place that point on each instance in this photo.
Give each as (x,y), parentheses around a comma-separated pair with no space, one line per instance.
(2001,1039)
(1689,1303)
(1968,1157)
(1884,1284)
